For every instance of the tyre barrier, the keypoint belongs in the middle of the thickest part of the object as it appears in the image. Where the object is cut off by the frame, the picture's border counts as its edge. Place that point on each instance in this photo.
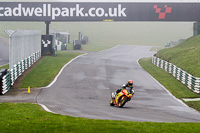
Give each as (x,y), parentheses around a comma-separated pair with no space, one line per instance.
(193,83)
(77,45)
(84,40)
(7,79)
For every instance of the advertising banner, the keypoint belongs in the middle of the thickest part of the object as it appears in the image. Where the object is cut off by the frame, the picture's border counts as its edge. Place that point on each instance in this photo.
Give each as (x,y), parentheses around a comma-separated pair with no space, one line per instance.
(70,11)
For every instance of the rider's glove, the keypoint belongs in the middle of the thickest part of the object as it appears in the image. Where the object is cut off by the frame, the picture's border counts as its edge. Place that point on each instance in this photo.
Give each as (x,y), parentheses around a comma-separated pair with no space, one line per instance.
(132,91)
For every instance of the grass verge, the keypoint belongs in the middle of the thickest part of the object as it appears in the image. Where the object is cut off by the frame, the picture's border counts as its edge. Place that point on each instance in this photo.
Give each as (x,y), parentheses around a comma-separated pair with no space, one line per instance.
(26,117)
(45,71)
(174,86)
(185,55)
(5,66)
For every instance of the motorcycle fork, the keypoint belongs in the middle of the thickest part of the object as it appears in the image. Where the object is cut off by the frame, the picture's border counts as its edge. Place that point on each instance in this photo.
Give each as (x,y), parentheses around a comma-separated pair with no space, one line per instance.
(117,99)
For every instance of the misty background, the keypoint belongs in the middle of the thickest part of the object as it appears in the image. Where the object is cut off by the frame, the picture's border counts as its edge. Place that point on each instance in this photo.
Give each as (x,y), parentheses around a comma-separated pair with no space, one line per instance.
(108,34)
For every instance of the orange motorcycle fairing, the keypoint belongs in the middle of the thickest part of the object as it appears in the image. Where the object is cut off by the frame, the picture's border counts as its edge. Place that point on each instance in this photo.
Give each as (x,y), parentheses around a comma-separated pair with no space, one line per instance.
(121,98)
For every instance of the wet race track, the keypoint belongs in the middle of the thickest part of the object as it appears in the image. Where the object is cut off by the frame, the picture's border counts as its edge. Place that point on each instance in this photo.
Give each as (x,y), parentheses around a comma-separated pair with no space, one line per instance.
(84,87)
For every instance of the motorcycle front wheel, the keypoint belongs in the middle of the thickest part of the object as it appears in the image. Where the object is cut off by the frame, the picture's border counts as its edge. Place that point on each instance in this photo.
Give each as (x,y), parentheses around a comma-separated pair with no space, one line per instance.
(122,102)
(112,102)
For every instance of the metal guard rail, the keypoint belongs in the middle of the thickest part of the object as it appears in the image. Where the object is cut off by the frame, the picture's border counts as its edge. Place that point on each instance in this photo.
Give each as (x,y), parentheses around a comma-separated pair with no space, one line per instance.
(187,79)
(9,79)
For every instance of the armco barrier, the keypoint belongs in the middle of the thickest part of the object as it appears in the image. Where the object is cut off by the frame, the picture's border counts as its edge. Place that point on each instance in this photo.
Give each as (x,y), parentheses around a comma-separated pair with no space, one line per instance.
(187,79)
(19,68)
(4,81)
(8,79)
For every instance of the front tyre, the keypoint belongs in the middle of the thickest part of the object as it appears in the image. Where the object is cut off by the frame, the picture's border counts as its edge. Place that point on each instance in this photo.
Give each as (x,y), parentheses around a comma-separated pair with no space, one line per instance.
(122,102)
(112,102)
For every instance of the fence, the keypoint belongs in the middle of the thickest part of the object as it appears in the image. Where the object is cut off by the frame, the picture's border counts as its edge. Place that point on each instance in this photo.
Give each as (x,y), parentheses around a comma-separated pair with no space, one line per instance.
(23,43)
(25,50)
(187,79)
(196,28)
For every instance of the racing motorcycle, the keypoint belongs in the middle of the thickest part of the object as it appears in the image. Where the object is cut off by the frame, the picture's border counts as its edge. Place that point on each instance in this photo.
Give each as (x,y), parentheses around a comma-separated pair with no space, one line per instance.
(121,98)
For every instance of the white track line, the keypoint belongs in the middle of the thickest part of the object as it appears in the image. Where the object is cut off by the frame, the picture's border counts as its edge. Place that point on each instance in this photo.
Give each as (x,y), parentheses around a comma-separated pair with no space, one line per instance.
(165,88)
(190,99)
(68,64)
(55,79)
(45,108)
(109,48)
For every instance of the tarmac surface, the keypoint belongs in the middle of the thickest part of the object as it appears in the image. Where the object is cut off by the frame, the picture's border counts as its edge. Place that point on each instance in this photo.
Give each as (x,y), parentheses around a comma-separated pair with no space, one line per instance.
(84,87)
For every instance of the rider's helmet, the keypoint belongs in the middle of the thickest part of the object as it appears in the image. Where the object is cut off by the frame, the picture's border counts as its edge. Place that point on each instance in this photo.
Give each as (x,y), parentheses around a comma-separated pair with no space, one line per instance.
(130,83)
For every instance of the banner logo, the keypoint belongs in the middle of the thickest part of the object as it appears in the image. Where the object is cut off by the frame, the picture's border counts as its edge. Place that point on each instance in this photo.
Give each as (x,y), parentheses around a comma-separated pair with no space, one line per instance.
(46,43)
(162,14)
(50,10)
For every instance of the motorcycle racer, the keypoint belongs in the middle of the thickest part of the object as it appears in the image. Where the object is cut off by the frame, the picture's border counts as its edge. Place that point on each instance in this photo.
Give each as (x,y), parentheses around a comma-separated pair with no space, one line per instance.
(128,86)
(122,95)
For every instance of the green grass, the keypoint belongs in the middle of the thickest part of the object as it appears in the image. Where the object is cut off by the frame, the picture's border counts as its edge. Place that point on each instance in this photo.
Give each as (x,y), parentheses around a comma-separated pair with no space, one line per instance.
(28,118)
(194,104)
(45,71)
(5,66)
(185,55)
(70,46)
(174,86)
